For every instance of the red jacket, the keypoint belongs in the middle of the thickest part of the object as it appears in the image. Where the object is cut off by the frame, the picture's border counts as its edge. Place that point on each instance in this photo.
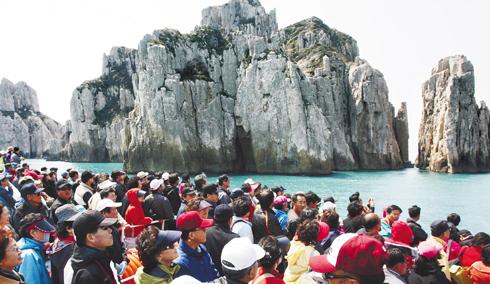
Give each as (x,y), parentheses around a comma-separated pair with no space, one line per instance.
(271,277)
(480,273)
(470,255)
(135,214)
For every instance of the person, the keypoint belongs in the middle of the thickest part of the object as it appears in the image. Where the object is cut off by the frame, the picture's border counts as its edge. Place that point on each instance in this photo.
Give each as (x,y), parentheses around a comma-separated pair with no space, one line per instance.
(354,220)
(280,208)
(188,193)
(224,182)
(472,253)
(63,192)
(419,235)
(392,214)
(328,206)
(352,258)
(49,183)
(32,204)
(240,223)
(135,214)
(90,262)
(210,194)
(267,272)
(302,248)
(7,193)
(427,268)
(306,214)
(61,250)
(143,178)
(185,182)
(157,250)
(172,192)
(10,257)
(331,218)
(105,186)
(480,270)
(34,232)
(371,225)
(199,205)
(118,177)
(278,190)
(220,234)
(299,203)
(440,233)
(264,221)
(312,200)
(453,221)
(108,208)
(16,156)
(239,261)
(200,181)
(157,206)
(401,238)
(84,191)
(194,259)
(396,268)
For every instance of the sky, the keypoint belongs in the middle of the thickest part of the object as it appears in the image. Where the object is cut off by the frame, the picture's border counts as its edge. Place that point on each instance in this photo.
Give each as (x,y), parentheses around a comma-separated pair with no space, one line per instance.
(56,45)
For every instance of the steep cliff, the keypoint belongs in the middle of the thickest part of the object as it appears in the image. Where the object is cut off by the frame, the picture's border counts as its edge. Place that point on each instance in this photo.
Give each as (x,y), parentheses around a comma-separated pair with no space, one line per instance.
(23,125)
(237,94)
(453,134)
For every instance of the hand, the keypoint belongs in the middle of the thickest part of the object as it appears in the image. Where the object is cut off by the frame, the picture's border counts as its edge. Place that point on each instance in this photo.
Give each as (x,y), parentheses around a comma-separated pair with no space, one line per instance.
(371,202)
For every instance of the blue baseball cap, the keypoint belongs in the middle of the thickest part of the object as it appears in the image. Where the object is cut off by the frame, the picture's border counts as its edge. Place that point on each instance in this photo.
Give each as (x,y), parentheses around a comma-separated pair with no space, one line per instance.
(167,238)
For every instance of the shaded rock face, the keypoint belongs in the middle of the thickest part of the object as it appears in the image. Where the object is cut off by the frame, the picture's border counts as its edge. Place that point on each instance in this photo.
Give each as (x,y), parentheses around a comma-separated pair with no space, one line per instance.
(237,94)
(453,134)
(23,125)
(402,133)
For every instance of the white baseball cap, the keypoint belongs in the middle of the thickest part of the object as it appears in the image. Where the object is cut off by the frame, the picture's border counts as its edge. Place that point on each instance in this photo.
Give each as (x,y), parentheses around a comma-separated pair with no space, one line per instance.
(240,253)
(142,175)
(328,206)
(165,176)
(106,184)
(107,203)
(155,184)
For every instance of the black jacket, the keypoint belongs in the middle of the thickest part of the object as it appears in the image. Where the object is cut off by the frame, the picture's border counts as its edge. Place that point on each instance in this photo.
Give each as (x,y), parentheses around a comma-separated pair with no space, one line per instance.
(118,250)
(216,238)
(261,229)
(158,207)
(91,266)
(224,196)
(120,193)
(26,208)
(419,235)
(172,193)
(352,225)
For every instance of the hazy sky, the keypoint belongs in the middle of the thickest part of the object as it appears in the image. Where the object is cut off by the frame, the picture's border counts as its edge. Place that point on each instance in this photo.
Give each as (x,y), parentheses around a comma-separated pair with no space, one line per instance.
(56,45)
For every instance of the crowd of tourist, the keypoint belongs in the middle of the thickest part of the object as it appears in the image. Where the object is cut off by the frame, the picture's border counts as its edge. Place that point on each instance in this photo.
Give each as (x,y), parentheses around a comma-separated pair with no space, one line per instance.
(158,227)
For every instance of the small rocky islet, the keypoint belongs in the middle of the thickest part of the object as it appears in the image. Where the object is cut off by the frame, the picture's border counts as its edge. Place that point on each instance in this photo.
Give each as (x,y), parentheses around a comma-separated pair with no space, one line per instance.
(238,94)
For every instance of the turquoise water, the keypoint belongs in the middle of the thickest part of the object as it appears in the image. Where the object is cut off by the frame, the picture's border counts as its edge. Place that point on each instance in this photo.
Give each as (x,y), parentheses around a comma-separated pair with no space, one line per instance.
(437,194)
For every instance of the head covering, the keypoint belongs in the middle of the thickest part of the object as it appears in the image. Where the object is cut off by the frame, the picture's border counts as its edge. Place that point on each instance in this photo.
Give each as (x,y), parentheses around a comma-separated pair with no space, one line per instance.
(165,176)
(30,188)
(142,175)
(4,176)
(192,220)
(62,184)
(203,204)
(357,254)
(429,249)
(328,206)
(323,231)
(67,213)
(236,192)
(189,191)
(42,225)
(223,212)
(167,238)
(88,222)
(401,232)
(240,253)
(155,184)
(280,200)
(106,184)
(253,184)
(107,203)
(438,227)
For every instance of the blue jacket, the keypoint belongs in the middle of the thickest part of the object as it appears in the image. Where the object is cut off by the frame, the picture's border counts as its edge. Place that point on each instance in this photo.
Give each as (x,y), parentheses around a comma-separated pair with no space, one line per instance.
(7,198)
(196,264)
(33,266)
(282,217)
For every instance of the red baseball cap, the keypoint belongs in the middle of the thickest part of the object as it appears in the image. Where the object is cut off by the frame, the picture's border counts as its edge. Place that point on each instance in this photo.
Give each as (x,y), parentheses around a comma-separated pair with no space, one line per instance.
(357,254)
(192,220)
(323,231)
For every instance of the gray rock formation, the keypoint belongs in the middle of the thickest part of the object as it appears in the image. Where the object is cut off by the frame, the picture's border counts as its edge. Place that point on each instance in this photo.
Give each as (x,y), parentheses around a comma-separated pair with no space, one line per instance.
(23,125)
(453,134)
(237,94)
(402,134)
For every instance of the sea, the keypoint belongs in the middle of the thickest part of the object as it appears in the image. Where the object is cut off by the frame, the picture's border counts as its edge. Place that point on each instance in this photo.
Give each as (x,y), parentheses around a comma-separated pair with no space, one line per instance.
(437,194)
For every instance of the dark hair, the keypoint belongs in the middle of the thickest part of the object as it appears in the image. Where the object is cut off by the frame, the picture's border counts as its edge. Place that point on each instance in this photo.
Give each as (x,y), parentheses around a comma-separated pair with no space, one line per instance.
(480,239)
(354,209)
(246,187)
(186,177)
(392,208)
(16,149)
(27,221)
(294,198)
(425,266)
(222,179)
(332,219)
(312,197)
(106,210)
(133,182)
(370,223)
(485,255)
(414,211)
(308,214)
(20,171)
(147,249)
(105,192)
(237,274)
(354,197)
(265,197)
(73,173)
(454,218)
(86,176)
(307,232)
(115,175)
(61,231)
(241,206)
(272,251)
(173,178)
(394,256)
(5,236)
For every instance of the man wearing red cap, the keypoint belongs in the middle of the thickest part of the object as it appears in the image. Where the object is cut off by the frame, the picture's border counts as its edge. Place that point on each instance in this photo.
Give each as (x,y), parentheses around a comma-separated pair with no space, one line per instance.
(194,259)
